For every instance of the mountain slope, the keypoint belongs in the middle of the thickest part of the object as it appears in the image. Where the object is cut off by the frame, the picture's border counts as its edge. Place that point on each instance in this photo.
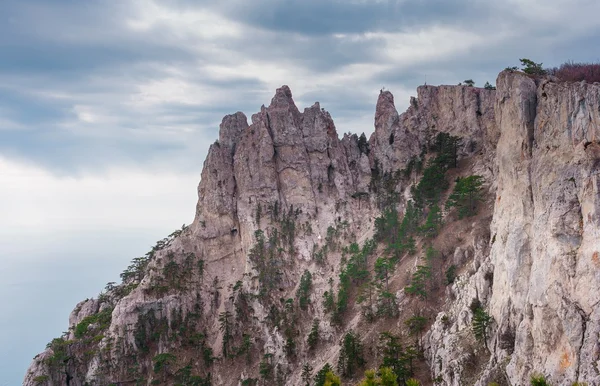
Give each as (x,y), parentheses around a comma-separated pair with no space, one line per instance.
(296,228)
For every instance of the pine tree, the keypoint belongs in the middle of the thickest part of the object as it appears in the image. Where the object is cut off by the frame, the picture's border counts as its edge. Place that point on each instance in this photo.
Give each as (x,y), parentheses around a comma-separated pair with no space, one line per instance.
(225,327)
(481,322)
(351,355)
(465,196)
(306,373)
(303,293)
(433,222)
(313,336)
(418,283)
(321,374)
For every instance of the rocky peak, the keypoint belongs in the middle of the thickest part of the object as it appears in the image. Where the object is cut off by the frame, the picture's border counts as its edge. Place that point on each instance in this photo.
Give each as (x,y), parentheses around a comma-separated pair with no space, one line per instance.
(231,128)
(529,259)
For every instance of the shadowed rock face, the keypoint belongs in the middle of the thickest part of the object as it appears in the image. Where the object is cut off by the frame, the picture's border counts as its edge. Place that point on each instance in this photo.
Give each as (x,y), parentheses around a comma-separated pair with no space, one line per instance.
(533,264)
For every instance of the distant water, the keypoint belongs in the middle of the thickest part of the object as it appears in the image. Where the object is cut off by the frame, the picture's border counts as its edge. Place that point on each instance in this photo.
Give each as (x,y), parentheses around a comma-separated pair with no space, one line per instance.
(43,277)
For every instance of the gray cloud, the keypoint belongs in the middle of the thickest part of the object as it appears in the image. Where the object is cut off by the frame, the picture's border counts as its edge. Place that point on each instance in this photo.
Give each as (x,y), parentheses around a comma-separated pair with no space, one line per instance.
(88,86)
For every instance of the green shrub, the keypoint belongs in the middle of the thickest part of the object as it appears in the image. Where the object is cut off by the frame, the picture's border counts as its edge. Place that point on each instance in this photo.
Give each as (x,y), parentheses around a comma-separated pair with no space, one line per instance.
(41,379)
(539,380)
(162,361)
(101,320)
(451,274)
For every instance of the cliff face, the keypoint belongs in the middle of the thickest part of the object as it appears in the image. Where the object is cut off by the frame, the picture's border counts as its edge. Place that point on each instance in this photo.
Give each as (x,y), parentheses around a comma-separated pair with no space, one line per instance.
(222,300)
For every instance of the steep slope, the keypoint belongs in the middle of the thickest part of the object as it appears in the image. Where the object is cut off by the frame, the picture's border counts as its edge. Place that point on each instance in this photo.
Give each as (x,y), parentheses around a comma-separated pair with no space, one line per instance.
(282,241)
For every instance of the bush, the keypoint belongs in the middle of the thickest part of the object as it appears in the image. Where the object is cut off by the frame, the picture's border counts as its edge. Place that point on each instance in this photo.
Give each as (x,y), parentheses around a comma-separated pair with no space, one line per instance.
(576,72)
(450,274)
(162,361)
(539,380)
(101,320)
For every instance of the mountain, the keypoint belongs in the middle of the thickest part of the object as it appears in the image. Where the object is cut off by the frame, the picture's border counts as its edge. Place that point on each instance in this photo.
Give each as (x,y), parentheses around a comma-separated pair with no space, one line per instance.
(458,245)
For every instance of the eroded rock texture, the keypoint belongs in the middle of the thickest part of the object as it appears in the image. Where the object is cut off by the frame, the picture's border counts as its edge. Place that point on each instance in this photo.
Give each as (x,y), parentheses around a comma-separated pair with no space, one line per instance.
(283,195)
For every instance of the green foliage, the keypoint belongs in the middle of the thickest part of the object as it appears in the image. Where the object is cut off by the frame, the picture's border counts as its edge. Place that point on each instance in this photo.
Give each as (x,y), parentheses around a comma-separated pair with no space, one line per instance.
(303,293)
(258,214)
(488,86)
(433,222)
(266,259)
(429,189)
(366,295)
(328,301)
(481,322)
(469,82)
(101,321)
(394,356)
(416,324)
(225,326)
(386,377)
(451,274)
(466,194)
(163,361)
(532,68)
(351,355)
(60,353)
(398,234)
(369,379)
(266,368)
(363,144)
(322,374)
(313,336)
(418,283)
(413,382)
(184,377)
(332,380)
(539,380)
(41,379)
(306,374)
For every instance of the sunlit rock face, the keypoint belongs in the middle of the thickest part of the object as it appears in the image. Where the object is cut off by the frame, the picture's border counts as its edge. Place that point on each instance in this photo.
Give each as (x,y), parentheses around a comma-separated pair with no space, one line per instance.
(283,195)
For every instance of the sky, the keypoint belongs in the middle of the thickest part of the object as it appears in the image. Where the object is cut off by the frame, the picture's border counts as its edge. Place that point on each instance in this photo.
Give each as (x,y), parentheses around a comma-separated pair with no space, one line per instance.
(107,109)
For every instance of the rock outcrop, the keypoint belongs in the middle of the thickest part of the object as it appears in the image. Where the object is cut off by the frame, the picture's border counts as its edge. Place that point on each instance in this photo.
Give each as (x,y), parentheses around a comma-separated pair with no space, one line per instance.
(285,197)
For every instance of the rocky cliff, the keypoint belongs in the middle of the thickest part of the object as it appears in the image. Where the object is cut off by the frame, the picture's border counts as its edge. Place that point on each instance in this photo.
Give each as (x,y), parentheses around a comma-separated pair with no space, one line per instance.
(303,241)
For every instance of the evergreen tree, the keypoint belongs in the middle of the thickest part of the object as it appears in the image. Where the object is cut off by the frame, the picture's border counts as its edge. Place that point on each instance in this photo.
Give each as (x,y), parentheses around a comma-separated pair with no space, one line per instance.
(488,86)
(303,293)
(433,222)
(418,283)
(481,322)
(351,356)
(416,325)
(531,67)
(393,355)
(306,373)
(225,320)
(313,336)
(366,294)
(321,374)
(465,196)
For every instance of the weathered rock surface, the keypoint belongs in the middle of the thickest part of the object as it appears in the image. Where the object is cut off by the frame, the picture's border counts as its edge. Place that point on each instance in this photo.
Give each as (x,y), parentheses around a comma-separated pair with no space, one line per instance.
(531,257)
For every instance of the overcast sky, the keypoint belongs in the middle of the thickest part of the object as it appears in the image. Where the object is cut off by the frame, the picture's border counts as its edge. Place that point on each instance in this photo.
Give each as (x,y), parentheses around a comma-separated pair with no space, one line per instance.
(107,107)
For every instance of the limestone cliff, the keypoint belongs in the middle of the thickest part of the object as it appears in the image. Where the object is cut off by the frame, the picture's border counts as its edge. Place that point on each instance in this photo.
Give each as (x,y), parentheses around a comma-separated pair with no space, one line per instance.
(284,202)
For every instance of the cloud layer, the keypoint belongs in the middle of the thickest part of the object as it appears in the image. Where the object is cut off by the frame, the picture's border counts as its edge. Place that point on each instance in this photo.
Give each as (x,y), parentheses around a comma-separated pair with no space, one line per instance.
(96,85)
